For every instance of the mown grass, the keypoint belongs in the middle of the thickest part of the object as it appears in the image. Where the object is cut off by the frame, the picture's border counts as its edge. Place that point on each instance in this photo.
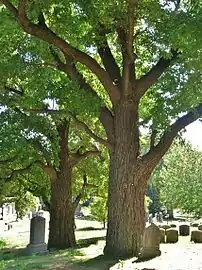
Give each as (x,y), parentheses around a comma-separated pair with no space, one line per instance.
(14,259)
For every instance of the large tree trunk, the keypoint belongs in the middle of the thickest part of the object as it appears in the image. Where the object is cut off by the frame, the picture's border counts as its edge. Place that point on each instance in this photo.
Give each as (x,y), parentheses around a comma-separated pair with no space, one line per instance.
(61,227)
(127,188)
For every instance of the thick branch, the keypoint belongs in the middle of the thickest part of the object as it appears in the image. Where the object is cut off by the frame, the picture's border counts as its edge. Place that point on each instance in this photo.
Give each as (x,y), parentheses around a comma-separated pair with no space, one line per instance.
(107,57)
(46,34)
(23,170)
(157,152)
(126,39)
(89,131)
(70,69)
(150,78)
(80,123)
(77,157)
(107,119)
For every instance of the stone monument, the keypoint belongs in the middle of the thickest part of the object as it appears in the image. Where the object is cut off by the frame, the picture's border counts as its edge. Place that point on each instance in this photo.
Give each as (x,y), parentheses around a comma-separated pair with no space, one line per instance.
(151,243)
(37,236)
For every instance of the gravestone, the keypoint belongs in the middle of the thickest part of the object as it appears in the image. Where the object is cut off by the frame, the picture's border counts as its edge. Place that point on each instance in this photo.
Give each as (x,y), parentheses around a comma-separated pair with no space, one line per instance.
(200,227)
(37,236)
(196,236)
(165,226)
(171,235)
(173,225)
(195,224)
(184,230)
(151,242)
(163,233)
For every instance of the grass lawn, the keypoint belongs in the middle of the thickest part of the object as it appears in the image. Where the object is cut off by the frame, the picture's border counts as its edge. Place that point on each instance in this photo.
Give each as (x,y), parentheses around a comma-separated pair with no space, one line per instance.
(84,257)
(183,255)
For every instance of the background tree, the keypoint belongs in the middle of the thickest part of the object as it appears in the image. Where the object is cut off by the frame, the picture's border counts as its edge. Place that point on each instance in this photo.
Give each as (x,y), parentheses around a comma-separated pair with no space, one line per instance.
(143,59)
(50,144)
(180,179)
(99,209)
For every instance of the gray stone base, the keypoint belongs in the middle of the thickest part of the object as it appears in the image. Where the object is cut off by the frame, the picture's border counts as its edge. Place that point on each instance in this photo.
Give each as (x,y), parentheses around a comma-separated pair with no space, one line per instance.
(36,249)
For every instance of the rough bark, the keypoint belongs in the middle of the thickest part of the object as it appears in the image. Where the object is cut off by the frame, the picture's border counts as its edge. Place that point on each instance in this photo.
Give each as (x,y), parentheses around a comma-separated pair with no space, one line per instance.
(126,214)
(127,187)
(61,227)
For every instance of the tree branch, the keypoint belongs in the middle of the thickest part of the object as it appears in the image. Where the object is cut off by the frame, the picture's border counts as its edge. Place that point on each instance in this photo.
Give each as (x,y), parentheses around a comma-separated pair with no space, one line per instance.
(150,78)
(70,69)
(78,122)
(39,147)
(45,33)
(107,119)
(23,170)
(80,195)
(90,132)
(20,92)
(107,57)
(126,39)
(77,157)
(157,152)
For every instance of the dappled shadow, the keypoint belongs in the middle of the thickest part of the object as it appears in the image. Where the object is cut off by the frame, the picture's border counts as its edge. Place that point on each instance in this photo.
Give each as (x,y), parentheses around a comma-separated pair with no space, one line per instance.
(15,258)
(82,243)
(89,229)
(88,217)
(138,260)
(100,263)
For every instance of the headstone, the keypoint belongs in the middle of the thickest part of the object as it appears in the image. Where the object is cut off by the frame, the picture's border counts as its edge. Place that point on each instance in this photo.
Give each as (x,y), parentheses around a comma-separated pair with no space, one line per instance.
(171,235)
(200,227)
(184,230)
(196,236)
(194,224)
(151,242)
(163,233)
(173,225)
(37,236)
(165,226)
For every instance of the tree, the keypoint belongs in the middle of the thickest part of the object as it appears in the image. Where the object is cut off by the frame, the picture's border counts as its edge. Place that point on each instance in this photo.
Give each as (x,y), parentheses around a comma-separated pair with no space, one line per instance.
(50,148)
(180,179)
(99,209)
(143,59)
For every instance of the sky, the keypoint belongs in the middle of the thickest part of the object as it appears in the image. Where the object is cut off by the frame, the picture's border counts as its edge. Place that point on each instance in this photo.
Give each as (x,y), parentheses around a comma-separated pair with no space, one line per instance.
(194,134)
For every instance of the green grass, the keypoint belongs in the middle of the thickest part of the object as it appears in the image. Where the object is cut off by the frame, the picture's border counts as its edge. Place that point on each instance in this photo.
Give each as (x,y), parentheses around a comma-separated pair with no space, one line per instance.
(15,259)
(3,244)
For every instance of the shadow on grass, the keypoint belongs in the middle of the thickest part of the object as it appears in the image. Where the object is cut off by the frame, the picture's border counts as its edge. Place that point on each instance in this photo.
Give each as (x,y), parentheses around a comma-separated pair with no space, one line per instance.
(83,243)
(88,217)
(15,259)
(100,263)
(89,229)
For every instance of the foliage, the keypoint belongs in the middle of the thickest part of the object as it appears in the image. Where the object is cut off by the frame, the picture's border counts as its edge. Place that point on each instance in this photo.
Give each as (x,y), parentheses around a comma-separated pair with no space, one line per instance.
(24,203)
(99,209)
(147,202)
(180,178)
(133,64)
